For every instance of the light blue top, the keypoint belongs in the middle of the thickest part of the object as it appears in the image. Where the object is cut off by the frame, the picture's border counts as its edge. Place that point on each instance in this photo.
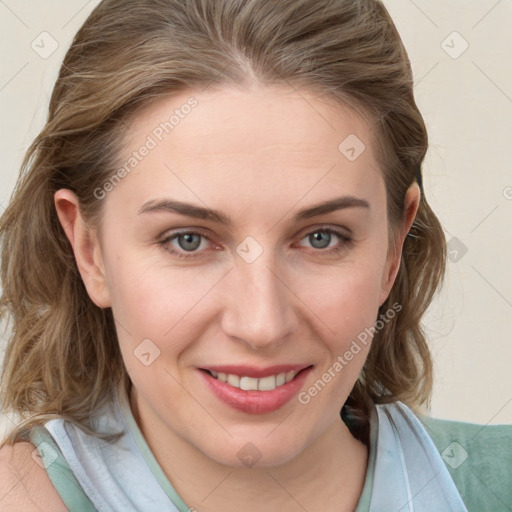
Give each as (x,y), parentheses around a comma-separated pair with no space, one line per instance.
(405,469)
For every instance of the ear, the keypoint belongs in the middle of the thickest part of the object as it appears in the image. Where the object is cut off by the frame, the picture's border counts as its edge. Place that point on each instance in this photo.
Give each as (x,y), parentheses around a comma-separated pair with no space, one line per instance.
(411,205)
(85,244)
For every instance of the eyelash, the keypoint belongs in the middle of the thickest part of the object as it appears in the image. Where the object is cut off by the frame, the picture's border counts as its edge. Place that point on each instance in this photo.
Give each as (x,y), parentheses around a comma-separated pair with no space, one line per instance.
(346,242)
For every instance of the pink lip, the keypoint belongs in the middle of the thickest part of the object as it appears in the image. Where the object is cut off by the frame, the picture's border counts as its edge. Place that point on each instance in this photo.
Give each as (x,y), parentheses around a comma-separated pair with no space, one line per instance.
(257,373)
(255,402)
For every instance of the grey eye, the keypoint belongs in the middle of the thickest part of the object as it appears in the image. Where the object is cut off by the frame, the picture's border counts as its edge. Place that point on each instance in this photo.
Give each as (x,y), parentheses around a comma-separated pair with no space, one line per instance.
(191,241)
(320,239)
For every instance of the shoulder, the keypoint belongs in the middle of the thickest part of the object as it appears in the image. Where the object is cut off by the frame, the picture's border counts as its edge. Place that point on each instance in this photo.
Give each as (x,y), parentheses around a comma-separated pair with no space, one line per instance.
(479,459)
(24,482)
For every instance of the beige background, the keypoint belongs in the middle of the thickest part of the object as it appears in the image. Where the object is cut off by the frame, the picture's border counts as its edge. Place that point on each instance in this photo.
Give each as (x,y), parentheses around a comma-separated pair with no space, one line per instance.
(466,99)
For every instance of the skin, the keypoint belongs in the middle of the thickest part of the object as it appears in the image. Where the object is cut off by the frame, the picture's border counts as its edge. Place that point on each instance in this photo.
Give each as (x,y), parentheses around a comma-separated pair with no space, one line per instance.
(259,156)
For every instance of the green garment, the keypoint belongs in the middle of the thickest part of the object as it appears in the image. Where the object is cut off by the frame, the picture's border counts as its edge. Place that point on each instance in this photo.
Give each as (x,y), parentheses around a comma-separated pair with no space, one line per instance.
(478,457)
(59,472)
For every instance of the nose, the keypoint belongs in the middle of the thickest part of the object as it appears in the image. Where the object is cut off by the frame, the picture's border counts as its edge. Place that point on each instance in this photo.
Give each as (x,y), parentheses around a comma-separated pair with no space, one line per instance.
(259,307)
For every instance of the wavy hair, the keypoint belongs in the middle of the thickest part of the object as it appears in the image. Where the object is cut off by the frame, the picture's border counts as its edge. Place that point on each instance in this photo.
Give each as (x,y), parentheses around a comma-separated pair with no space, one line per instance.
(62,357)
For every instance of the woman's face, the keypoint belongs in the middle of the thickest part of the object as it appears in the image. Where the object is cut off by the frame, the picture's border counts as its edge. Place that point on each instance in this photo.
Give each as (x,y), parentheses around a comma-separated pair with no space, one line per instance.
(256,287)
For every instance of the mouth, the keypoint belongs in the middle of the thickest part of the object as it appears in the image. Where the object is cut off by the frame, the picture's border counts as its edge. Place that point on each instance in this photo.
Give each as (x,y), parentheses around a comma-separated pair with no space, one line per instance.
(255,391)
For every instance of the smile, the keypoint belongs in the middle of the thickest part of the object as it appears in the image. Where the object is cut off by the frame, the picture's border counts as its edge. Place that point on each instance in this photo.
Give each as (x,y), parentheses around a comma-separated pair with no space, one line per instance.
(263,391)
(250,383)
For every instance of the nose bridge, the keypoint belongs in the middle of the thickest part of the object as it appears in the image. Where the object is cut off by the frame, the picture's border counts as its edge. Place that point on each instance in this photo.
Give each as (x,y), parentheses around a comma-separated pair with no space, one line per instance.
(259,309)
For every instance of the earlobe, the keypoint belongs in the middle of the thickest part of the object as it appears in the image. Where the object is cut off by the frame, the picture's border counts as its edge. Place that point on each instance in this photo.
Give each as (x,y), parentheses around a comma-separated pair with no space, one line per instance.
(85,245)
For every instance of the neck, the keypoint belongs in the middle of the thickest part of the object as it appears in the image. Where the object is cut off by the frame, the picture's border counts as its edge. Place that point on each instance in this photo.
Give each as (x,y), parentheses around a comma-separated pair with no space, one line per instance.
(328,475)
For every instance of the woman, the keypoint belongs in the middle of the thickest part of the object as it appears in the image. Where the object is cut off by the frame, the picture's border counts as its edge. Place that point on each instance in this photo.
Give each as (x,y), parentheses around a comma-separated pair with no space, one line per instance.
(216,261)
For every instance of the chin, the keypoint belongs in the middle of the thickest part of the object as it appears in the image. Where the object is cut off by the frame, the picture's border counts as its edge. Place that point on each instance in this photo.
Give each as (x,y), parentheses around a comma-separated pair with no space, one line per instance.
(254,451)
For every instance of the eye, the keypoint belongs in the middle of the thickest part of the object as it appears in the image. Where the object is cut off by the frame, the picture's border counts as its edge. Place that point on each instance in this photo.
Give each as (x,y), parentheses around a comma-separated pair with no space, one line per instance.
(187,244)
(190,244)
(321,238)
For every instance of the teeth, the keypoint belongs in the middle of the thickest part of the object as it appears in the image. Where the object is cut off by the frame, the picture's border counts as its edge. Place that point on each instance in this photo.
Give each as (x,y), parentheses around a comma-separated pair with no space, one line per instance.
(267,383)
(233,380)
(250,383)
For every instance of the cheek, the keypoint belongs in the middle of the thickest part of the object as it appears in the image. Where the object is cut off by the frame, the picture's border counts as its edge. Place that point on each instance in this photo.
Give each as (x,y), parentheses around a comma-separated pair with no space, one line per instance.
(347,300)
(346,305)
(152,325)
(163,304)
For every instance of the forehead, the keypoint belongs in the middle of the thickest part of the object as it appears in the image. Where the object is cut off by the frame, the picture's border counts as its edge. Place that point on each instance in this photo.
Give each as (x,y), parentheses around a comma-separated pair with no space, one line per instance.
(274,141)
(261,116)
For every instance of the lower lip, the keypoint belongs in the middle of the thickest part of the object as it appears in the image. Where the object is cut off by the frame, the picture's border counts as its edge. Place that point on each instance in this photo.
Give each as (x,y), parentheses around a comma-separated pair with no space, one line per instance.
(256,402)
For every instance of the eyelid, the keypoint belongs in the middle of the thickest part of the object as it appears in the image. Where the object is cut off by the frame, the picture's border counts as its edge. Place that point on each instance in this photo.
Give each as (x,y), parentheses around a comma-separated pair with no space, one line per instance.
(322,227)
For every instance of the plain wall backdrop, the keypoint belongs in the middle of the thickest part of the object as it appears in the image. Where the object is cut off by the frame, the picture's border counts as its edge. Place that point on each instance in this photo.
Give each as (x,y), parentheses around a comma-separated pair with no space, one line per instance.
(460,52)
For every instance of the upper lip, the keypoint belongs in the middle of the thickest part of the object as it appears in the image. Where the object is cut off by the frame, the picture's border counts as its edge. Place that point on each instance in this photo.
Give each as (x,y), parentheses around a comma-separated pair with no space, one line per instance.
(254,372)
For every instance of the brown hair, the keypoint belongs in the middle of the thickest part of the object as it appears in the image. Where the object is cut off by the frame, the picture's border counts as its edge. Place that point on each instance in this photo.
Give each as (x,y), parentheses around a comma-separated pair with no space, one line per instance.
(62,357)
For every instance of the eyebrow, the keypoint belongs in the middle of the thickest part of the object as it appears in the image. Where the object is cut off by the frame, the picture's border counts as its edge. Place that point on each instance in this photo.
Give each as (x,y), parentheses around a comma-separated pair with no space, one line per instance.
(198,212)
